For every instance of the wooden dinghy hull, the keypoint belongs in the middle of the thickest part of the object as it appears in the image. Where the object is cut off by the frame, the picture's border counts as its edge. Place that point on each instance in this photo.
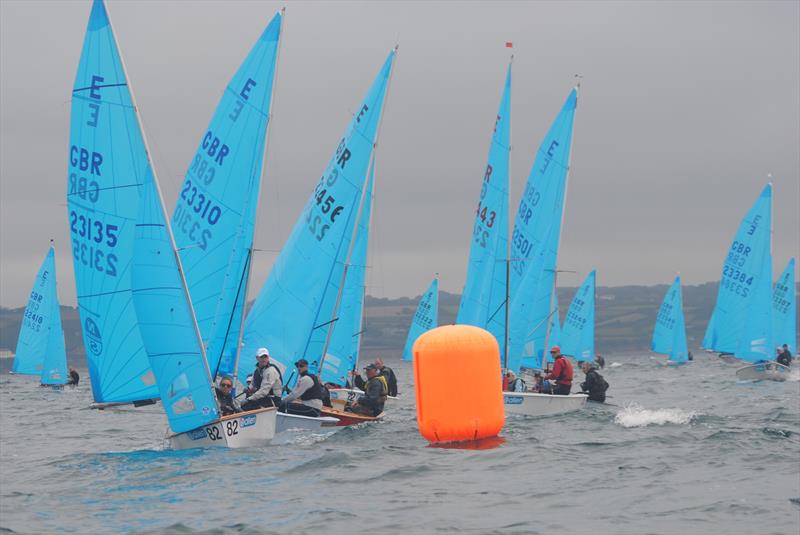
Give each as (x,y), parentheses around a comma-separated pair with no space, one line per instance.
(349,418)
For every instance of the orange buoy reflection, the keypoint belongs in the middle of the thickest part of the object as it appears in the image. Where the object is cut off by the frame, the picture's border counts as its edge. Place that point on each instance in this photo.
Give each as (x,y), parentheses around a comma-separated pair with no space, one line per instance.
(488,443)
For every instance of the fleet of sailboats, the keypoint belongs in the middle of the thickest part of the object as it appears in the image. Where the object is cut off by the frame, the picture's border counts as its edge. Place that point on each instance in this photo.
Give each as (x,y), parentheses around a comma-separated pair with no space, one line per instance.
(162,299)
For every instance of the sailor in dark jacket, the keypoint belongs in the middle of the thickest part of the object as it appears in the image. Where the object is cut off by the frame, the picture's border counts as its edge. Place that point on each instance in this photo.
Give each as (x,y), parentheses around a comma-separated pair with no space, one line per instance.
(375,391)
(594,385)
(784,355)
(227,403)
(74,378)
(391,378)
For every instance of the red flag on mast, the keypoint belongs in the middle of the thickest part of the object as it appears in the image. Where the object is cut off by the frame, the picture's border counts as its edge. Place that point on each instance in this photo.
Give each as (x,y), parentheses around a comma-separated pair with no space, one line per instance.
(509,44)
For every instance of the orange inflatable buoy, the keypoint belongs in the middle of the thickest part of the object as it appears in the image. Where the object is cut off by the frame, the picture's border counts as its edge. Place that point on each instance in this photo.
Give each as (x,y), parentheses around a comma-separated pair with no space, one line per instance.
(458,384)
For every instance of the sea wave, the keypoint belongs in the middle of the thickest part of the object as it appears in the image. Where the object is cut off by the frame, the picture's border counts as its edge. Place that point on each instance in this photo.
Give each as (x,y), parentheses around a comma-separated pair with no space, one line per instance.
(637,416)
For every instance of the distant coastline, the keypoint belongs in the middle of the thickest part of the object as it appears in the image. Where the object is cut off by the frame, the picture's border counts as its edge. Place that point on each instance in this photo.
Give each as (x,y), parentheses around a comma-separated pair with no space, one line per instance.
(625,318)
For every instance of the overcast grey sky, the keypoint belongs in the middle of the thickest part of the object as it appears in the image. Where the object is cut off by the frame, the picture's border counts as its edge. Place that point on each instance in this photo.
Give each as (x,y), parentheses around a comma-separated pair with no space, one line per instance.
(685,107)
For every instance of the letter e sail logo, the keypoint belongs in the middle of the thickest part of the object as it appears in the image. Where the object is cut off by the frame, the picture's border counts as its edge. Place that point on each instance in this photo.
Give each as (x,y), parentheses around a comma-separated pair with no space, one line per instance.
(93,338)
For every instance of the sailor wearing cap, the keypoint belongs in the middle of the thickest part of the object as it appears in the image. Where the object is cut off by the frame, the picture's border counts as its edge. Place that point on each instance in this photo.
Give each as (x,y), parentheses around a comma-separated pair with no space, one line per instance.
(306,397)
(265,390)
(561,373)
(375,391)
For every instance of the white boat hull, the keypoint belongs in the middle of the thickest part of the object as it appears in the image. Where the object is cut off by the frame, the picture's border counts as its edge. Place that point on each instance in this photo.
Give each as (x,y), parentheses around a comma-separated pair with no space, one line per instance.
(295,422)
(767,371)
(241,430)
(340,397)
(532,404)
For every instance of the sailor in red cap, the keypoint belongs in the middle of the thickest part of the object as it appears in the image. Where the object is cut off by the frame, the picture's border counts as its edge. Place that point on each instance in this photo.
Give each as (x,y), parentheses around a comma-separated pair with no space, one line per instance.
(561,372)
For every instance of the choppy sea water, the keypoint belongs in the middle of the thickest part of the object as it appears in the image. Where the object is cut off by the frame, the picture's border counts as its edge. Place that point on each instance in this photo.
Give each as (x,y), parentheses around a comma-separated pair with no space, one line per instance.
(685,450)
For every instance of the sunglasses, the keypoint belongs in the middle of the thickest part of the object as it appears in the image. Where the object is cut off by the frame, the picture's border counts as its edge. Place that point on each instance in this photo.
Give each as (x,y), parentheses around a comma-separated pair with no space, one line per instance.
(226,385)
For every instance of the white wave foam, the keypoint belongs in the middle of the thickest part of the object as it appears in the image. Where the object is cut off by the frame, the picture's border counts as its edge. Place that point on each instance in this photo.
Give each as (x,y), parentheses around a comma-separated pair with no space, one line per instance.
(794,375)
(615,365)
(637,416)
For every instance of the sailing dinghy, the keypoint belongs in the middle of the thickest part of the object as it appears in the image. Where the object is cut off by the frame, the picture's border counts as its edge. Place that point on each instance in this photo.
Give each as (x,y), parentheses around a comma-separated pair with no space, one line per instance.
(215,214)
(131,288)
(307,293)
(40,345)
(510,283)
(669,333)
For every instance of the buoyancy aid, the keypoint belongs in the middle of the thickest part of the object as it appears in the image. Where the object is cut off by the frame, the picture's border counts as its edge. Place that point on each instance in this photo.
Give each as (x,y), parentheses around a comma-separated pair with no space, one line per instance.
(315,392)
(384,387)
(258,377)
(562,371)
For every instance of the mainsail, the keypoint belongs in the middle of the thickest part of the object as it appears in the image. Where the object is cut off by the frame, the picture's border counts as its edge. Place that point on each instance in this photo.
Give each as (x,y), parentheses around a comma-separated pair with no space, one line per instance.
(535,239)
(577,335)
(784,308)
(483,301)
(740,273)
(425,318)
(669,333)
(215,213)
(295,308)
(108,164)
(40,345)
(342,353)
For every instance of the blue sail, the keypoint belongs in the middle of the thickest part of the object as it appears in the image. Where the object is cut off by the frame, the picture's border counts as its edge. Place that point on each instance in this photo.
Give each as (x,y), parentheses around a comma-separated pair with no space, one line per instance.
(755,340)
(166,320)
(669,333)
(484,297)
(107,165)
(784,308)
(425,318)
(707,337)
(741,269)
(577,336)
(214,217)
(294,309)
(342,353)
(537,231)
(526,318)
(42,316)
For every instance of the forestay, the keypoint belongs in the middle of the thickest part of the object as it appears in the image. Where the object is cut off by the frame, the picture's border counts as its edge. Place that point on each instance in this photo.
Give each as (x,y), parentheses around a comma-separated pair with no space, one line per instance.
(167,322)
(215,213)
(342,353)
(40,346)
(107,165)
(537,231)
(743,264)
(425,318)
(784,308)
(577,336)
(483,301)
(294,309)
(669,333)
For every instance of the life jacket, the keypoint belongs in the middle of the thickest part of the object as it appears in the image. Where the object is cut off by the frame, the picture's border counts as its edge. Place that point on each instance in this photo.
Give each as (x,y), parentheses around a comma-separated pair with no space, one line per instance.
(258,377)
(384,387)
(564,376)
(315,392)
